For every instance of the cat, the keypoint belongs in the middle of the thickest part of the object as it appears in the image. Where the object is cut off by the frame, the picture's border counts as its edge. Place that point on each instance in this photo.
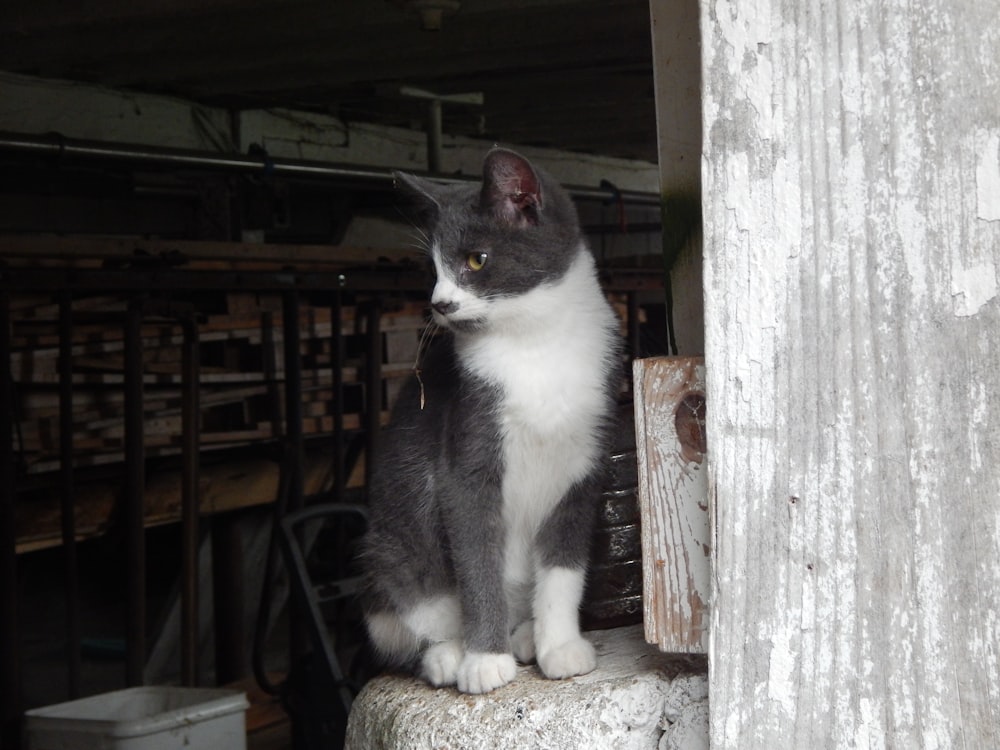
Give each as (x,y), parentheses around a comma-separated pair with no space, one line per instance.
(486,482)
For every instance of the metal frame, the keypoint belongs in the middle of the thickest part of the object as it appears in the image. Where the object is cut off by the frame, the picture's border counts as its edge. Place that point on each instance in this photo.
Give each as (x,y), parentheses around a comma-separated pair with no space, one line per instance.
(310,597)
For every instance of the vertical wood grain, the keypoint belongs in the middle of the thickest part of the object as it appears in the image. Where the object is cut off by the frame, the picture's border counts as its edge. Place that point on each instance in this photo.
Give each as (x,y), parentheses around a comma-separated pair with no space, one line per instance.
(669,398)
(852,264)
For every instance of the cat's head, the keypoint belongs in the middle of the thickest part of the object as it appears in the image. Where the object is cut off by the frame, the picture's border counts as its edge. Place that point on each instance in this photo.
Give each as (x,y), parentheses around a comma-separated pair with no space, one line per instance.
(493,243)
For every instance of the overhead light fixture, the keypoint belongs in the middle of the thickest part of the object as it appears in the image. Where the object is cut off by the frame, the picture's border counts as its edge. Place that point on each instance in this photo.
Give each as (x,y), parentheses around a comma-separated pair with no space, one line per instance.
(431,12)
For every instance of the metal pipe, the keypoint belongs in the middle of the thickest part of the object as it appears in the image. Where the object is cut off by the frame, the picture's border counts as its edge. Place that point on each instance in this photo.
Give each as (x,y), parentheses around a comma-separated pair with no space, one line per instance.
(375,177)
(227,582)
(384,281)
(10,659)
(269,366)
(134,279)
(293,397)
(337,372)
(133,499)
(373,386)
(67,495)
(190,501)
(434,127)
(294,449)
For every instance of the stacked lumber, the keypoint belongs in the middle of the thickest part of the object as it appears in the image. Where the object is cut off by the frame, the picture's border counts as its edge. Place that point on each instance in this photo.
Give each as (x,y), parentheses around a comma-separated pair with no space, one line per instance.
(241,393)
(241,379)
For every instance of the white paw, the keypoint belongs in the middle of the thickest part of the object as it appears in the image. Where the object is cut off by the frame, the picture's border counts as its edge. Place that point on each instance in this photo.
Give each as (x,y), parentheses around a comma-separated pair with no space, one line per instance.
(481,673)
(440,662)
(571,658)
(522,642)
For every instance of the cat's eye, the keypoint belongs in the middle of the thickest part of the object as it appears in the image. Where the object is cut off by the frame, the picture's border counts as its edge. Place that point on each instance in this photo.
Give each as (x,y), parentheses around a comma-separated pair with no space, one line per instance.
(475,261)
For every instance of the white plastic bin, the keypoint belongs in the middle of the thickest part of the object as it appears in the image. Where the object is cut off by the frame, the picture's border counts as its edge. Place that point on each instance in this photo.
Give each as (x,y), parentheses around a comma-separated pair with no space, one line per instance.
(143,718)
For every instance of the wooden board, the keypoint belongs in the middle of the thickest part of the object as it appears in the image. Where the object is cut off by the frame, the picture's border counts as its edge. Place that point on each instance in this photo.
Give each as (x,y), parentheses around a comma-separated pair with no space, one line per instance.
(670,445)
(852,312)
(234,484)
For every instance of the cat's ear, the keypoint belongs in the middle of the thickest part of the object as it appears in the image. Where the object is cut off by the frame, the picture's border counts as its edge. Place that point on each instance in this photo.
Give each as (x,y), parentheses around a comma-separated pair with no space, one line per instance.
(421,193)
(511,189)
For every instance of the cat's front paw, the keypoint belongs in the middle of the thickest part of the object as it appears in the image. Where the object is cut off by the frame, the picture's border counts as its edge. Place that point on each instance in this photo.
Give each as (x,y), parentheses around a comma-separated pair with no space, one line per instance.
(481,673)
(440,663)
(576,656)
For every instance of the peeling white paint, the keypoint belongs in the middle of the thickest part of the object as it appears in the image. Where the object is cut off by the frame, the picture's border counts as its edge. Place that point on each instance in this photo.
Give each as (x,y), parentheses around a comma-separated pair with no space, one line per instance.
(672,501)
(855,370)
(782,665)
(870,732)
(988,175)
(971,288)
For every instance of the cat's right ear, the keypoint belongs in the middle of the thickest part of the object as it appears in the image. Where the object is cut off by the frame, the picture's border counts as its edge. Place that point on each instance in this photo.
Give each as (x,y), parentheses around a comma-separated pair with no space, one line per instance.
(420,193)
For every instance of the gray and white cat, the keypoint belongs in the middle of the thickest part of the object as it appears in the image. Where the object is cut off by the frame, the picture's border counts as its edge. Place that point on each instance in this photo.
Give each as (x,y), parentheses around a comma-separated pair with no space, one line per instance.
(486,482)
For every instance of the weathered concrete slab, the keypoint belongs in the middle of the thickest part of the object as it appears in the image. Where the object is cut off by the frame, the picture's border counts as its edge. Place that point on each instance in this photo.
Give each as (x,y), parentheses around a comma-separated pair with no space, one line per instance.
(637,698)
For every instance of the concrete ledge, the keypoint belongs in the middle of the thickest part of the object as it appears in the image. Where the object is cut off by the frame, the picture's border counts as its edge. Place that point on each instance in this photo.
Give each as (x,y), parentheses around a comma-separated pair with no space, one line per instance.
(636,698)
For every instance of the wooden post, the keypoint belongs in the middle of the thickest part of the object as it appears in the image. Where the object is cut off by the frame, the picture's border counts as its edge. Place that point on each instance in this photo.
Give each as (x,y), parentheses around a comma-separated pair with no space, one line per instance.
(670,447)
(852,312)
(677,81)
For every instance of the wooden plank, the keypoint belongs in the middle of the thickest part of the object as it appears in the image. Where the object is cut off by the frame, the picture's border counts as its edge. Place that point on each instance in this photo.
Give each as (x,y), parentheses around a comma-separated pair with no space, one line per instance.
(235,484)
(669,401)
(852,290)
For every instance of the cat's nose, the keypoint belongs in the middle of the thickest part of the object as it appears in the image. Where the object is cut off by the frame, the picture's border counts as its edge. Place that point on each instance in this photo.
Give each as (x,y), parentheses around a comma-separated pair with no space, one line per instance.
(444,308)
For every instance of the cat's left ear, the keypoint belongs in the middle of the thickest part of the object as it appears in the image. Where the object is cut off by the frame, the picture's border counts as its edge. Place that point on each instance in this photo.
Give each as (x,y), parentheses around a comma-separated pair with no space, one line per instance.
(511,188)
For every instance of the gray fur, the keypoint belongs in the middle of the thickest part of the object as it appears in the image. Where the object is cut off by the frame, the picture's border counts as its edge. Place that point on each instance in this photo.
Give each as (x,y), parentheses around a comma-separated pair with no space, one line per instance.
(437,524)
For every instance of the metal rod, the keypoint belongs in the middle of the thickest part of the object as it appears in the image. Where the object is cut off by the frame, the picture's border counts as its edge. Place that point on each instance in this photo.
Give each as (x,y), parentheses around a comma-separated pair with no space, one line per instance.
(135,479)
(10,659)
(373,385)
(294,449)
(434,126)
(361,279)
(190,501)
(67,495)
(269,365)
(375,177)
(293,397)
(227,584)
(337,372)
(353,280)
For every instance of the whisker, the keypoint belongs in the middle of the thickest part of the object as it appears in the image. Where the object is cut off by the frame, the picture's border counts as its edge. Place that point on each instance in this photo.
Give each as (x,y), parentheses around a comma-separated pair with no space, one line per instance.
(423,242)
(425,335)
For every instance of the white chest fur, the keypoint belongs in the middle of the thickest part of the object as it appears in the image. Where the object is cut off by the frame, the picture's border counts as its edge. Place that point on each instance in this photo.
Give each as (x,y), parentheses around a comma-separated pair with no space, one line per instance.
(550,356)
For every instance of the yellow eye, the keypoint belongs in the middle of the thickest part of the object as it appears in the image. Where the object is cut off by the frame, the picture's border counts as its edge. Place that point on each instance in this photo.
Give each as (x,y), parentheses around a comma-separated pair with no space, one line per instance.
(475,261)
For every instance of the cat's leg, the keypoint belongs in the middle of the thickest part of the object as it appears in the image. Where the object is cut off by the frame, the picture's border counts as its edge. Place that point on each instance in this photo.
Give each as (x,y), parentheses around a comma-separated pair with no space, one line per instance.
(562,549)
(559,648)
(519,576)
(488,662)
